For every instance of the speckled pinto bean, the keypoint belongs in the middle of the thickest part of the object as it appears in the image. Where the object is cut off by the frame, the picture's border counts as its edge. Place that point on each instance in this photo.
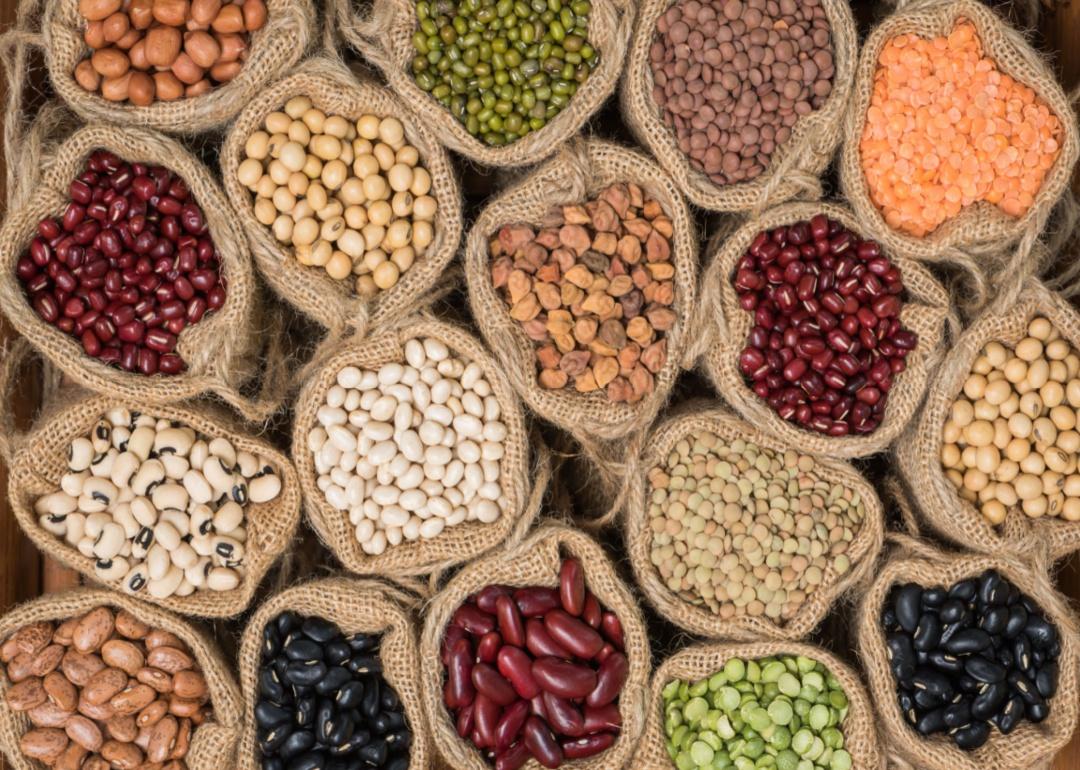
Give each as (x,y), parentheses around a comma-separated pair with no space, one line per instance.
(538,700)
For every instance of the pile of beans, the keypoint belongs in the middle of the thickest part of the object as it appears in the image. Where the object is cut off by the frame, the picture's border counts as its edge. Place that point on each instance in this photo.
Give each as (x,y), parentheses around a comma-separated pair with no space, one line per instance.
(157,505)
(350,196)
(503,68)
(744,530)
(410,449)
(127,267)
(946,129)
(323,703)
(732,77)
(147,50)
(827,338)
(103,691)
(975,655)
(1011,441)
(782,713)
(535,672)
(593,290)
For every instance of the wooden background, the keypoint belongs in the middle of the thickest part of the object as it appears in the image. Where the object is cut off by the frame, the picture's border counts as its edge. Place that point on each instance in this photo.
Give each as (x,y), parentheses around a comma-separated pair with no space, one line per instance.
(24,573)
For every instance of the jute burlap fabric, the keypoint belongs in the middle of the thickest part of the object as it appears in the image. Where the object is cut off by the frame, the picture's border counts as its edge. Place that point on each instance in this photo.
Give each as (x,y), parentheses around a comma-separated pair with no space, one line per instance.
(796,166)
(221,351)
(703,660)
(698,418)
(354,606)
(583,169)
(978,239)
(382,31)
(535,561)
(1029,745)
(213,745)
(919,452)
(926,312)
(56,27)
(332,303)
(524,474)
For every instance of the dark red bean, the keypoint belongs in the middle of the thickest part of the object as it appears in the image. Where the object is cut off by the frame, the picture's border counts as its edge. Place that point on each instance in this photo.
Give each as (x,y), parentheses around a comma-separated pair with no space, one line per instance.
(215,298)
(510,624)
(494,685)
(589,746)
(573,634)
(536,602)
(563,716)
(541,743)
(565,679)
(572,587)
(460,691)
(591,613)
(488,647)
(133,331)
(513,758)
(452,634)
(610,679)
(473,619)
(603,718)
(170,363)
(515,664)
(510,724)
(90,343)
(485,720)
(160,341)
(540,643)
(148,361)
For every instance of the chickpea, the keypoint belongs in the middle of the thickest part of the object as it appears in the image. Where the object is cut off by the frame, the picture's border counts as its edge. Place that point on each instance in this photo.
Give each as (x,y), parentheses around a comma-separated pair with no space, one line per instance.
(284,201)
(279,172)
(265,211)
(313,167)
(1035,507)
(424,207)
(1070,510)
(403,258)
(997,392)
(421,182)
(368,127)
(1018,449)
(297,106)
(1015,370)
(334,174)
(352,243)
(996,354)
(386,275)
(408,155)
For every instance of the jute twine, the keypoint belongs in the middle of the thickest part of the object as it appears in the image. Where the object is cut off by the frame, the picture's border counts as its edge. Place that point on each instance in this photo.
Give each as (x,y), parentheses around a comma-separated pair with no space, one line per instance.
(334,304)
(523,474)
(703,660)
(979,238)
(56,27)
(221,351)
(354,606)
(919,453)
(699,418)
(925,312)
(382,31)
(213,745)
(38,459)
(535,561)
(582,169)
(1029,745)
(796,166)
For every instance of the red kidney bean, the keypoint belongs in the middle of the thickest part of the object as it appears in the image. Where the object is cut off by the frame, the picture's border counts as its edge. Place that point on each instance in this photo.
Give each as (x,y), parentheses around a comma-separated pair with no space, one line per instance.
(492,684)
(540,643)
(572,587)
(510,724)
(487,597)
(612,629)
(541,743)
(565,679)
(513,758)
(460,690)
(465,718)
(610,679)
(591,612)
(571,633)
(606,650)
(590,745)
(603,718)
(485,720)
(473,620)
(488,648)
(450,637)
(516,666)
(537,708)
(510,624)
(563,717)
(536,602)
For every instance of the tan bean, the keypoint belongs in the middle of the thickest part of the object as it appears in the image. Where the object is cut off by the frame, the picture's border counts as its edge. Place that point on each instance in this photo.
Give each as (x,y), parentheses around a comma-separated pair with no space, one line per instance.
(84,732)
(99,712)
(162,739)
(104,685)
(140,89)
(171,13)
(122,756)
(150,715)
(225,71)
(79,668)
(167,87)
(132,37)
(21,667)
(182,707)
(232,46)
(230,19)
(202,48)
(141,13)
(159,680)
(183,740)
(130,627)
(137,56)
(186,70)
(97,10)
(122,728)
(133,699)
(189,684)
(26,695)
(110,62)
(123,655)
(115,89)
(204,11)
(72,758)
(254,12)
(61,692)
(163,46)
(47,660)
(45,744)
(94,35)
(115,27)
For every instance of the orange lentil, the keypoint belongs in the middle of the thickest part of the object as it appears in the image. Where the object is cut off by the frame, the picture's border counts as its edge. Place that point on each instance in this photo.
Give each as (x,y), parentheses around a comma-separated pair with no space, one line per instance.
(945,129)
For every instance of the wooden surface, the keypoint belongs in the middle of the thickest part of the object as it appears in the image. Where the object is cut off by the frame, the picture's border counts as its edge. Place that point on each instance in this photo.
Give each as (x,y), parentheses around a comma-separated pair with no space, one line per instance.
(25,574)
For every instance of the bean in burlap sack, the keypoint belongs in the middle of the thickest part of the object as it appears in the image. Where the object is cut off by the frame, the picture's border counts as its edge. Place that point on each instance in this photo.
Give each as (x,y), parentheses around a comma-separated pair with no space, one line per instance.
(354,606)
(978,239)
(1029,745)
(795,168)
(702,661)
(925,312)
(700,417)
(581,170)
(523,482)
(221,351)
(535,561)
(213,745)
(382,31)
(919,453)
(334,304)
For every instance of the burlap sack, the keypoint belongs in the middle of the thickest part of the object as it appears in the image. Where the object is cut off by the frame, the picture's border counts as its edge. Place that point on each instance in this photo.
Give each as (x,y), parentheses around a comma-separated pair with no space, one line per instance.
(56,27)
(796,166)
(699,417)
(38,458)
(355,606)
(919,453)
(382,30)
(535,561)
(926,312)
(213,745)
(334,304)
(703,660)
(581,170)
(1029,745)
(978,239)
(524,473)
(221,351)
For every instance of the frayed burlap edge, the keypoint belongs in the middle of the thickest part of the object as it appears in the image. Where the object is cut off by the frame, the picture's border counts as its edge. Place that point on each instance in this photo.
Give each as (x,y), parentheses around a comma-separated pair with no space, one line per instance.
(703,660)
(332,303)
(382,32)
(355,606)
(213,745)
(795,167)
(536,562)
(693,418)
(1029,745)
(926,312)
(919,452)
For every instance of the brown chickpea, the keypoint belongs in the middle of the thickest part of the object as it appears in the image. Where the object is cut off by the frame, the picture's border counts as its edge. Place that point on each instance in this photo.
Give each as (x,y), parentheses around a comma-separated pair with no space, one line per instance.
(225,71)
(115,27)
(167,87)
(86,76)
(94,35)
(187,71)
(229,19)
(202,48)
(173,13)
(110,63)
(163,46)
(141,13)
(254,12)
(97,10)
(203,12)
(141,89)
(115,89)
(232,46)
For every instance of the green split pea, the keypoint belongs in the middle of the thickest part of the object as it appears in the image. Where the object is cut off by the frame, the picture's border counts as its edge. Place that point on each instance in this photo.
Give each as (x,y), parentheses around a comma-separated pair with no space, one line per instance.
(783,713)
(503,68)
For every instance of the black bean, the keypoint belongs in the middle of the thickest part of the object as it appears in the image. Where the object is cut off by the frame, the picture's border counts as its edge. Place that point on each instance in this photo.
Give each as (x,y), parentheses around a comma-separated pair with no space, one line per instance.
(1018,617)
(269,714)
(286,622)
(273,763)
(908,606)
(374,753)
(401,739)
(339,731)
(297,743)
(271,641)
(305,674)
(1037,712)
(369,706)
(1021,650)
(1039,630)
(950,630)
(350,694)
(931,722)
(990,588)
(305,711)
(365,664)
(986,703)
(390,700)
(952,611)
(994,620)
(272,740)
(928,632)
(402,763)
(968,641)
(964,590)
(943,661)
(901,656)
(935,684)
(1046,679)
(362,642)
(972,736)
(984,670)
(337,652)
(303,649)
(888,619)
(358,739)
(319,630)
(270,686)
(934,597)
(927,700)
(312,760)
(335,678)
(1025,688)
(1010,715)
(958,714)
